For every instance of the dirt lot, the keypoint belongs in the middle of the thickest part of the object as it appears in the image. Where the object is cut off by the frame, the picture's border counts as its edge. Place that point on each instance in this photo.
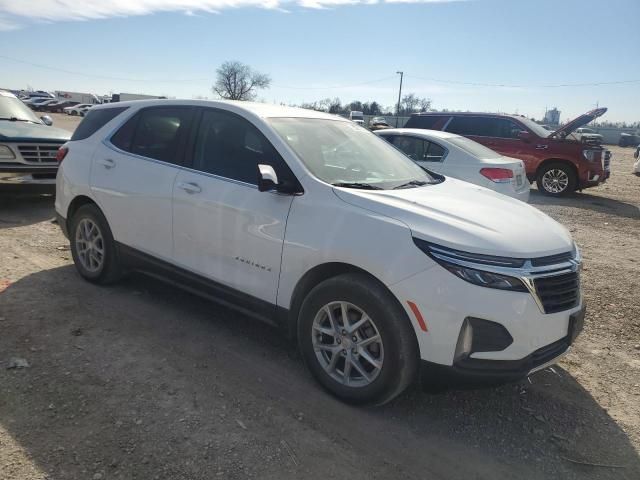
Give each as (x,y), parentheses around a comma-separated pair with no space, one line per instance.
(142,381)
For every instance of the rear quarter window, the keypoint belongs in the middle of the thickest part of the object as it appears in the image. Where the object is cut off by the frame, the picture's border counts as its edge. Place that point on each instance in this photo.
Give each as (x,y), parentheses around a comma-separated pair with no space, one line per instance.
(94,121)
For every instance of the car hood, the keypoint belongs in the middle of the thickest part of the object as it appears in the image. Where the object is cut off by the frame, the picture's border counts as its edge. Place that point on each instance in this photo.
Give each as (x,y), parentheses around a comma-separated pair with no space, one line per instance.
(30,132)
(578,122)
(467,217)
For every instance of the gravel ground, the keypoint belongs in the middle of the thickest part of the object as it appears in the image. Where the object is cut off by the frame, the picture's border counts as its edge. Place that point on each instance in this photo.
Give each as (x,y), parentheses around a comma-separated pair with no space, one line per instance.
(142,381)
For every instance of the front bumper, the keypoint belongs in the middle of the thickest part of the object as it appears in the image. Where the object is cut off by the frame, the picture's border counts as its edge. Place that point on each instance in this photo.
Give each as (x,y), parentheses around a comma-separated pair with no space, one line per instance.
(470,372)
(446,302)
(21,174)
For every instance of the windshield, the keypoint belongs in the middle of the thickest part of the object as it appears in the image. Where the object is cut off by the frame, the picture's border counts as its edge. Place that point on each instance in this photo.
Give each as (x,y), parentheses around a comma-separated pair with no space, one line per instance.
(339,152)
(11,107)
(535,128)
(474,148)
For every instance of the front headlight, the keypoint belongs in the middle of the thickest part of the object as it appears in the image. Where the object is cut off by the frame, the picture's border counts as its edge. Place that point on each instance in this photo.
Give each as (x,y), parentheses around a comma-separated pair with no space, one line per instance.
(457,262)
(591,155)
(6,153)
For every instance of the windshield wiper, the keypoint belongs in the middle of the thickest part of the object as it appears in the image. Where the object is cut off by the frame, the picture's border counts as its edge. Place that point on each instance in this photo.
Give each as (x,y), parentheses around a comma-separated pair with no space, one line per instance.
(363,186)
(16,119)
(411,184)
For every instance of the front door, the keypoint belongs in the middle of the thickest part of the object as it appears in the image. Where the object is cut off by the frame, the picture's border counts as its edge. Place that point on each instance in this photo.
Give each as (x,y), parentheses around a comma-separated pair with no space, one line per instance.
(225,229)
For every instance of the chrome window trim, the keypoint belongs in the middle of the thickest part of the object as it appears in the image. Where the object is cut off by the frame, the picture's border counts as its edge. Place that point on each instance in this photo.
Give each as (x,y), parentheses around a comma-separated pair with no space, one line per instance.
(111,146)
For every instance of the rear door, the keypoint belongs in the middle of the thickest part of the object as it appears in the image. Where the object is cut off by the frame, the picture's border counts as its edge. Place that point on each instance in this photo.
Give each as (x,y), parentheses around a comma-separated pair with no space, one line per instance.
(133,173)
(224,228)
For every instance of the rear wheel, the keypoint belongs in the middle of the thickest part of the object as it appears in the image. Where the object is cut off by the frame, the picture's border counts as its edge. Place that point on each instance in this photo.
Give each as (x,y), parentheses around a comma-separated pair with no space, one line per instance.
(357,340)
(556,179)
(92,246)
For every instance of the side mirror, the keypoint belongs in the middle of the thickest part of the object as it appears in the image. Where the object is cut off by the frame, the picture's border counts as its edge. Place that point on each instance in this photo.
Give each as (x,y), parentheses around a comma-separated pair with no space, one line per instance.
(46,119)
(524,135)
(267,178)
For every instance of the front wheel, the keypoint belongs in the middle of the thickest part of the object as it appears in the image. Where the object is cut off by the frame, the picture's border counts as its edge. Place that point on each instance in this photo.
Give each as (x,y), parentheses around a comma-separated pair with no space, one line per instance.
(92,246)
(357,340)
(556,179)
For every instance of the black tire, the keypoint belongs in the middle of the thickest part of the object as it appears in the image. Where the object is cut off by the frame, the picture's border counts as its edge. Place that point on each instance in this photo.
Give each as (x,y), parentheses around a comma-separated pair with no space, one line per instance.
(109,270)
(550,169)
(73,112)
(399,343)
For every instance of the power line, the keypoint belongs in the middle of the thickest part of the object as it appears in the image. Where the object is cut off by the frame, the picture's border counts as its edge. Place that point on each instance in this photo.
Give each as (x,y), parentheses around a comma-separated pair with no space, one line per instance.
(104,77)
(505,85)
(335,86)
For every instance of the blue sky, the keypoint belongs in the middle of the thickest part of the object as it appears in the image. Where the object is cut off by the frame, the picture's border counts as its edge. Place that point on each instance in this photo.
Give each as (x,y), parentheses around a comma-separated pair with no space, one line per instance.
(174,46)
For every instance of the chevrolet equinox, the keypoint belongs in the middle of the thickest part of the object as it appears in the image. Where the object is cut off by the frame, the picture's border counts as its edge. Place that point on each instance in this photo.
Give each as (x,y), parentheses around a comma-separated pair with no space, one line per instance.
(381,270)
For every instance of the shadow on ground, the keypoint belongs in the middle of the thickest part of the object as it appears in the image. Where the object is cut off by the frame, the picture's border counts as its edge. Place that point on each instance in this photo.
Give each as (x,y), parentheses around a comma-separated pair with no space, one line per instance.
(586,201)
(19,209)
(143,381)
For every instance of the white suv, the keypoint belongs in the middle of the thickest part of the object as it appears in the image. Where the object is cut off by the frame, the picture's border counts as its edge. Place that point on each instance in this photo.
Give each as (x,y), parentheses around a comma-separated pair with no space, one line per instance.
(379,268)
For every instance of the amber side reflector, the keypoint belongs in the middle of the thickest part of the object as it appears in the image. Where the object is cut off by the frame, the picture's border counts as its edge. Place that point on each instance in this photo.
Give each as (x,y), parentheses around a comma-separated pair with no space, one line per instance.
(418,315)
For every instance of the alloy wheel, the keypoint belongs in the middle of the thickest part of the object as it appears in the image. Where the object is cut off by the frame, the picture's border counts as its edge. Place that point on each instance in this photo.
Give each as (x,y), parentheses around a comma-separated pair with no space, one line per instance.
(347,344)
(89,245)
(555,180)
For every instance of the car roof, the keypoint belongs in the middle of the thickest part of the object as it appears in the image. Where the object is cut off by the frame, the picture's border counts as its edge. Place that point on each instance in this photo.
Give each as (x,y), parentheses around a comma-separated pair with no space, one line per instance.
(470,114)
(4,93)
(261,110)
(422,132)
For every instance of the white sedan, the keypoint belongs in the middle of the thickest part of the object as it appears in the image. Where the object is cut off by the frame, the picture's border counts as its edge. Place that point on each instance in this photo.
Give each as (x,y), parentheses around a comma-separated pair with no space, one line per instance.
(459,157)
(79,109)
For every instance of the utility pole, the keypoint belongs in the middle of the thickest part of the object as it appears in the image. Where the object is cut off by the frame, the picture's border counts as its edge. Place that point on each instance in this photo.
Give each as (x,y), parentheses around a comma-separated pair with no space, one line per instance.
(399,95)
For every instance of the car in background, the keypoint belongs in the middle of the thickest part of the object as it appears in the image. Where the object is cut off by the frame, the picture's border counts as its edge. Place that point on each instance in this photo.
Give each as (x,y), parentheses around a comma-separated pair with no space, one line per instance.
(459,157)
(376,267)
(629,139)
(79,109)
(58,106)
(587,135)
(28,145)
(356,117)
(40,102)
(558,163)
(378,123)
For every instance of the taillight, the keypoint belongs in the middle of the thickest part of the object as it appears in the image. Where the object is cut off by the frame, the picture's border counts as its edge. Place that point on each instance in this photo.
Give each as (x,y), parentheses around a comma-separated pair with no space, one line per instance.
(497,175)
(62,152)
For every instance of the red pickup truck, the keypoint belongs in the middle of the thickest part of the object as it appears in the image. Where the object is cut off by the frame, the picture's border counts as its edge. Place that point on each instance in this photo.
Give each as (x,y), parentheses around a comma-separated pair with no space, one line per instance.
(556,160)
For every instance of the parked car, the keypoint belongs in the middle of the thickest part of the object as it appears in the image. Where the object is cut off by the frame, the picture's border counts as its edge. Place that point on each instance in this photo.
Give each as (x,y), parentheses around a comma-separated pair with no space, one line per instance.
(58,106)
(28,145)
(378,123)
(587,135)
(37,105)
(636,166)
(312,223)
(556,162)
(628,140)
(79,109)
(462,158)
(356,117)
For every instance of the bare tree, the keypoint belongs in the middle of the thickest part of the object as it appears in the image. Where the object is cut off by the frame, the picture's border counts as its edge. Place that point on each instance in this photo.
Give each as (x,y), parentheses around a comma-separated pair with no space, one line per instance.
(237,81)
(425,104)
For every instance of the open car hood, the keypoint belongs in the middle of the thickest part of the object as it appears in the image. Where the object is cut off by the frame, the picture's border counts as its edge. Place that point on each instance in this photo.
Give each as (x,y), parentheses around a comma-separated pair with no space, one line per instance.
(578,122)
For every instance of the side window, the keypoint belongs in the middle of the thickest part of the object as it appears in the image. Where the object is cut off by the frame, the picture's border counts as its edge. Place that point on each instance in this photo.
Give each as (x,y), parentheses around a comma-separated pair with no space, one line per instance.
(229,146)
(94,121)
(412,147)
(507,129)
(123,138)
(425,121)
(157,132)
(466,125)
(434,152)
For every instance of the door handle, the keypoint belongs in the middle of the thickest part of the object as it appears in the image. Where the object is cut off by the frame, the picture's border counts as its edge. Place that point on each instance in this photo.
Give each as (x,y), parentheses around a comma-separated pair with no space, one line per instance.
(542,147)
(189,187)
(107,163)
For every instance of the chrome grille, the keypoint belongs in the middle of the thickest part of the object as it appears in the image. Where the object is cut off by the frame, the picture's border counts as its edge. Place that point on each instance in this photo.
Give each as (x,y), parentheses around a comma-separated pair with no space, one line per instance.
(559,292)
(39,153)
